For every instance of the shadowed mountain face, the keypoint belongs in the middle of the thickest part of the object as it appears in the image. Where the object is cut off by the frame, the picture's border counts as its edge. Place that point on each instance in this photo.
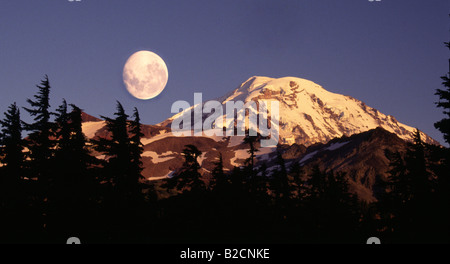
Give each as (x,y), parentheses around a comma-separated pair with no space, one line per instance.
(317,128)
(363,157)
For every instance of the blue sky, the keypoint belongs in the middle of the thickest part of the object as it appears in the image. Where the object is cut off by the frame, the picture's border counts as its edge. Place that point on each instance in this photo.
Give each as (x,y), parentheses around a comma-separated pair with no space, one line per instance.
(389,54)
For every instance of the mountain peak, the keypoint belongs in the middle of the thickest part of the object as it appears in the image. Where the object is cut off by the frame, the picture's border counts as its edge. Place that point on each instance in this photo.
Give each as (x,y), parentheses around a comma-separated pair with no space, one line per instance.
(261,85)
(310,114)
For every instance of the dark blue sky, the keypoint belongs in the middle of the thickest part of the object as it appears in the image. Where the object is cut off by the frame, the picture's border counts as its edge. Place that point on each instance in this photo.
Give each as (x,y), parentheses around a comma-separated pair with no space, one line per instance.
(389,54)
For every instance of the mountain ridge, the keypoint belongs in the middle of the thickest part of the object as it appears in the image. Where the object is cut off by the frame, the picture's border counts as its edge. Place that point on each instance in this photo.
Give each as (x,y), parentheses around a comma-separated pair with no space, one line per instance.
(311,114)
(317,128)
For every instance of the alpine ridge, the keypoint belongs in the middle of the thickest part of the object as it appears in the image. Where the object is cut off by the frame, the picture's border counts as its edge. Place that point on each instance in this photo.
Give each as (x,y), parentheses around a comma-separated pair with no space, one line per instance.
(317,128)
(310,114)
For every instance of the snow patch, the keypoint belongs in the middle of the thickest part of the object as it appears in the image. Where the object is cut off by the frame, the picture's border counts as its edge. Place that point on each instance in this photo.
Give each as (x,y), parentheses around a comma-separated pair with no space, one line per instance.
(239,154)
(101,157)
(158,178)
(202,158)
(309,156)
(90,128)
(242,154)
(156,158)
(146,141)
(335,146)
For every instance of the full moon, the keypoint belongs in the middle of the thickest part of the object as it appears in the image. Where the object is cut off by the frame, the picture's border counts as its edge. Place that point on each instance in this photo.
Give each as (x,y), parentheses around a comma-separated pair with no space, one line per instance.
(145,75)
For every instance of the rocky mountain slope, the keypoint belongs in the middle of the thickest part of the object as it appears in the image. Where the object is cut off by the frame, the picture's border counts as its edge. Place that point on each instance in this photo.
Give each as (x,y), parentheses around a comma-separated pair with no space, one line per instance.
(311,114)
(363,157)
(317,128)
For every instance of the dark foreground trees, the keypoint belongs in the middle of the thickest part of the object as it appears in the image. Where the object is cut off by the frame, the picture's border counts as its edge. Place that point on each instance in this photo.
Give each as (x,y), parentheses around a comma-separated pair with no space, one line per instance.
(122,150)
(13,144)
(51,184)
(444,102)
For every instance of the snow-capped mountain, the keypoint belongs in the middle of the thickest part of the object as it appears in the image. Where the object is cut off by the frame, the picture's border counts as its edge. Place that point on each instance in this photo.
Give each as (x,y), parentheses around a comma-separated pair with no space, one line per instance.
(316,128)
(310,114)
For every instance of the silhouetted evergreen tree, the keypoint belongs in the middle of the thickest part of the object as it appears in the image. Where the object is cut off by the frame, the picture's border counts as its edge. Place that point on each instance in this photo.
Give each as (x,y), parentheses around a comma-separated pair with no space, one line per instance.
(281,189)
(256,185)
(40,142)
(11,148)
(117,150)
(136,150)
(189,178)
(410,197)
(280,183)
(344,208)
(220,179)
(188,211)
(13,189)
(121,189)
(423,201)
(332,209)
(300,218)
(251,141)
(317,184)
(441,157)
(238,186)
(444,102)
(220,204)
(61,167)
(61,127)
(11,159)
(73,189)
(61,191)
(81,154)
(72,155)
(421,179)
(395,196)
(296,173)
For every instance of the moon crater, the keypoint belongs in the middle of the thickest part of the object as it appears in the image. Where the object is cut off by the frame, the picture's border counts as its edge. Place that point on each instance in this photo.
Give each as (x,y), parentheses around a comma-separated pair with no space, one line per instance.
(145,75)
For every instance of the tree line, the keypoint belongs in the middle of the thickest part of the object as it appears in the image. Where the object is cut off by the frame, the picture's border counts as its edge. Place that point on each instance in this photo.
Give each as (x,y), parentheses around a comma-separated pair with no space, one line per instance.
(50,180)
(53,186)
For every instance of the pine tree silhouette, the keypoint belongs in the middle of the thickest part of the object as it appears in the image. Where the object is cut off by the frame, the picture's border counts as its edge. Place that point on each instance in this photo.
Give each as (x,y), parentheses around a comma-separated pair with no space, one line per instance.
(61,127)
(442,157)
(117,151)
(332,209)
(444,102)
(344,208)
(13,189)
(11,147)
(72,155)
(73,183)
(251,141)
(136,150)
(281,189)
(40,142)
(121,189)
(189,178)
(11,170)
(81,154)
(296,172)
(280,183)
(221,180)
(411,194)
(219,204)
